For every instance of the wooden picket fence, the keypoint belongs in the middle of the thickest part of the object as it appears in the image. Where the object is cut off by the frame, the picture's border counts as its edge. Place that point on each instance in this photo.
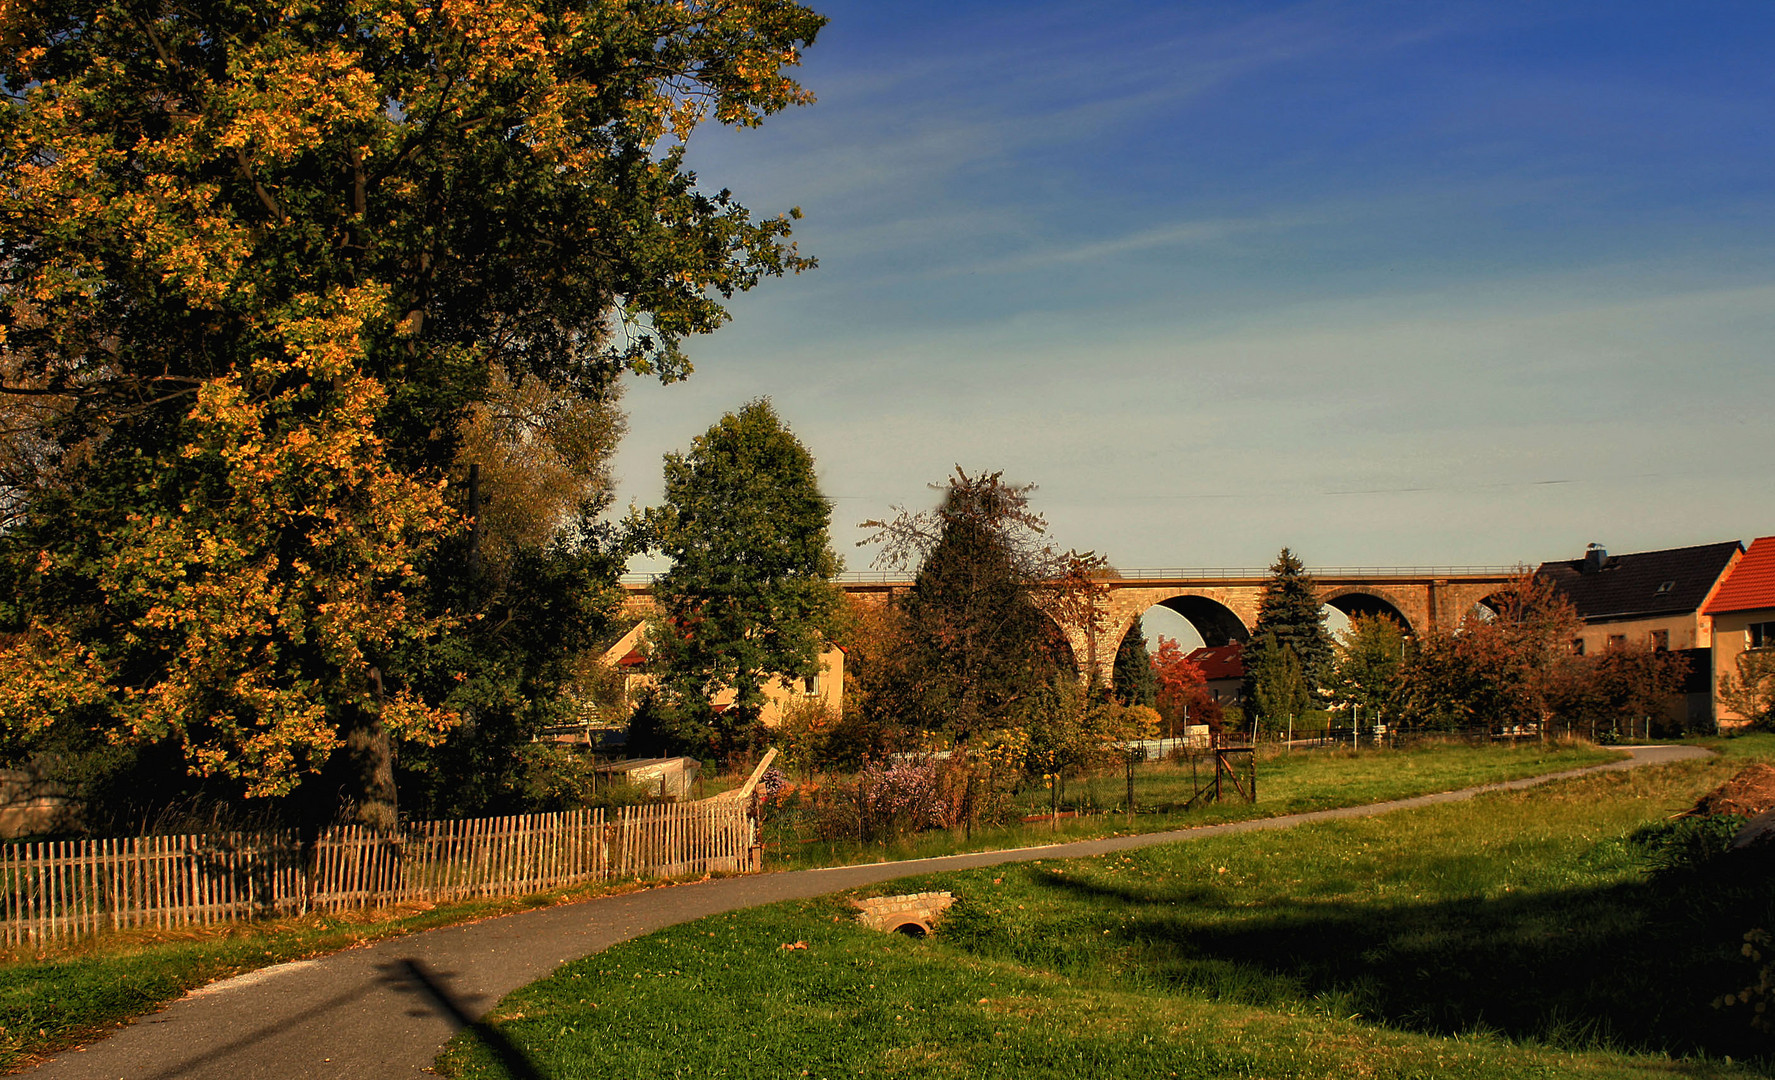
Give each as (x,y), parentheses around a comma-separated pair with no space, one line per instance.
(62,889)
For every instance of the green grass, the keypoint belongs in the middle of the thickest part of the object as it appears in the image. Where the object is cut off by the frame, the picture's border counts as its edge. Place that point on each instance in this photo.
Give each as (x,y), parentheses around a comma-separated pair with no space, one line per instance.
(1287,783)
(60,996)
(1517,935)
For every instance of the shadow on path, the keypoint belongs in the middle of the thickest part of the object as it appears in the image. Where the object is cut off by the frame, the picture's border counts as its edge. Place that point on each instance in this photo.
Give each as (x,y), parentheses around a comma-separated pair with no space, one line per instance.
(515,1061)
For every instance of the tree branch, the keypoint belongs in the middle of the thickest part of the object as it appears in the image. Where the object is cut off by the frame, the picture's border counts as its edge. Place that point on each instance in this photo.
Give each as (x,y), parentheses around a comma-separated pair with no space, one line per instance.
(246,171)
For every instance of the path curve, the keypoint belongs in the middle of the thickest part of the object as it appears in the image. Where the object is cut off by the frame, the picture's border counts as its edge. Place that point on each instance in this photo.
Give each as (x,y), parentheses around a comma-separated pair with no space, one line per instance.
(386,1010)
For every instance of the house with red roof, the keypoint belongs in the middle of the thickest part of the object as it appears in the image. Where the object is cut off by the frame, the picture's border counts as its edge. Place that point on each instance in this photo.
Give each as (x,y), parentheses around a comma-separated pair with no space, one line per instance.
(1743,613)
(1223,668)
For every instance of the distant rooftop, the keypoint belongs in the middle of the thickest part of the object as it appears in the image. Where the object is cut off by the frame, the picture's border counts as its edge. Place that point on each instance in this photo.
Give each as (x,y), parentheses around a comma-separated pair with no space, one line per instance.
(1220,661)
(1643,584)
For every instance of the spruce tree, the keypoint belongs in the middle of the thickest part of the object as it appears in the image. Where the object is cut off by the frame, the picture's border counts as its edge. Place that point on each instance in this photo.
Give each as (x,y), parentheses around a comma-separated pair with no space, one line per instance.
(1133,681)
(1279,692)
(1291,613)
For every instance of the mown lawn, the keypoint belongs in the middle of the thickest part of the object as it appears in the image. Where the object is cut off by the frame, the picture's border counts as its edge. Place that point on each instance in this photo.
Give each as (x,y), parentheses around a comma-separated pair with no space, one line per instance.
(1287,783)
(61,995)
(1517,935)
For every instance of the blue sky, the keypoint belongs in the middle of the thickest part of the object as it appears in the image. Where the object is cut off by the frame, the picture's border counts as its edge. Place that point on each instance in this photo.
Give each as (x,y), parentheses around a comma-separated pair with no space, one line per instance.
(1389,283)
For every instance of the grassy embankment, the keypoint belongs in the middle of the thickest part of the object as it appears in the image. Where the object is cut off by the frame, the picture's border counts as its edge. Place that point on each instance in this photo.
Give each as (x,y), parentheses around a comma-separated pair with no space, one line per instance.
(1516,935)
(61,995)
(1287,783)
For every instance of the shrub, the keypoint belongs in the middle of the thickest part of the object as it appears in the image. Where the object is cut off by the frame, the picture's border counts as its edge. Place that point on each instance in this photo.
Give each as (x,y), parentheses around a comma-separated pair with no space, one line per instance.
(552,777)
(910,795)
(807,735)
(1684,843)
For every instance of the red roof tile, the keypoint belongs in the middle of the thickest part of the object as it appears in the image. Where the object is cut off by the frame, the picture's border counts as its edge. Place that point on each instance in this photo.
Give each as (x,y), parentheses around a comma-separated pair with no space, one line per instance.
(1751,584)
(1219,661)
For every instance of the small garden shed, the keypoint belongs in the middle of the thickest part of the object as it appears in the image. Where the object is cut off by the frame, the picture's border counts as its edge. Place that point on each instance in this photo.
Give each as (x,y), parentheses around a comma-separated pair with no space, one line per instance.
(673,777)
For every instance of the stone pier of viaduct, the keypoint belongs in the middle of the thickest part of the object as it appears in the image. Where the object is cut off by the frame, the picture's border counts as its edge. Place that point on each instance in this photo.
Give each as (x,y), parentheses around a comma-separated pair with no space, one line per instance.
(1222,604)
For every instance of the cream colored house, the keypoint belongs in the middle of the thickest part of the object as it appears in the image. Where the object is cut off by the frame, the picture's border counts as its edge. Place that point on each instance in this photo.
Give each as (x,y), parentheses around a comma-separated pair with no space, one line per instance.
(1653,598)
(629,655)
(1743,614)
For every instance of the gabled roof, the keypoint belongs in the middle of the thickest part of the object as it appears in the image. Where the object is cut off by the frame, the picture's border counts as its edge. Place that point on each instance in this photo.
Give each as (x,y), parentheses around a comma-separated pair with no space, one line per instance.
(1751,584)
(1220,661)
(1674,581)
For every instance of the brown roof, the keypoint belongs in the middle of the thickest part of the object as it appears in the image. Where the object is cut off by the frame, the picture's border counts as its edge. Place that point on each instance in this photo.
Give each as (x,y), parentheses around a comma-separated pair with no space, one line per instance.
(1220,661)
(1674,581)
(1751,584)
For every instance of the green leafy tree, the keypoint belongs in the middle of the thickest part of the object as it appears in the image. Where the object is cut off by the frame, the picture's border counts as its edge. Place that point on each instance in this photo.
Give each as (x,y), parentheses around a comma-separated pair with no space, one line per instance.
(1067,732)
(533,473)
(261,261)
(1290,613)
(749,599)
(1133,677)
(1279,689)
(1368,666)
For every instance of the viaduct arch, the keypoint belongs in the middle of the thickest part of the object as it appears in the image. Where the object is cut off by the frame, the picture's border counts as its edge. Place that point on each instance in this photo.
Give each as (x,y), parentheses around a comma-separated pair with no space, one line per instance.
(1222,603)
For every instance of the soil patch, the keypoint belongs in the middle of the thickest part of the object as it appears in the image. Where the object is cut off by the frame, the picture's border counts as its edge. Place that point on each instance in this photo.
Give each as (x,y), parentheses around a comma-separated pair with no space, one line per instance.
(1750,793)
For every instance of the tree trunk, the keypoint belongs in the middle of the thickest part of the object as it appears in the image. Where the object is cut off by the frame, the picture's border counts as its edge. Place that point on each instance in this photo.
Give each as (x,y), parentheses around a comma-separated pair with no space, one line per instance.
(369,753)
(367,766)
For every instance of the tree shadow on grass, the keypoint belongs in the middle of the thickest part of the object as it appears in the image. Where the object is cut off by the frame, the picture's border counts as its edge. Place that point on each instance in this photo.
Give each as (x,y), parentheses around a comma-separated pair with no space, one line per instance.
(1632,966)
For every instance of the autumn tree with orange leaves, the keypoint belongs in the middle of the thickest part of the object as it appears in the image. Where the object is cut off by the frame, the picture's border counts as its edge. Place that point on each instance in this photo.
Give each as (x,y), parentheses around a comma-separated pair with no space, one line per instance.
(259,263)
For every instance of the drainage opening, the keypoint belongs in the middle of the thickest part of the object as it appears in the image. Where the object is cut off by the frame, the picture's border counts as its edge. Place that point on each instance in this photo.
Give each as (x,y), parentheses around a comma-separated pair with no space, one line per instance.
(911,930)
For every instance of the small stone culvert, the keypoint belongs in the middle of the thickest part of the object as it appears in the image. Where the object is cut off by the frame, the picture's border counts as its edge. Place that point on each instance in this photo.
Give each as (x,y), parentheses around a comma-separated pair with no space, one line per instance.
(913,915)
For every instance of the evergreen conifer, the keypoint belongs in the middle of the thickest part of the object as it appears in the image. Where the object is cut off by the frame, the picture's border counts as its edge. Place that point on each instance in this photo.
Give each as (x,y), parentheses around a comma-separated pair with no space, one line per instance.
(1292,613)
(1133,681)
(1279,691)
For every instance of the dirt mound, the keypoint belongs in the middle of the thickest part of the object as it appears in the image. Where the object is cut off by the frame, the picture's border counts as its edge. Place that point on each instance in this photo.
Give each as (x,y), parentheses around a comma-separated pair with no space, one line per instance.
(1750,793)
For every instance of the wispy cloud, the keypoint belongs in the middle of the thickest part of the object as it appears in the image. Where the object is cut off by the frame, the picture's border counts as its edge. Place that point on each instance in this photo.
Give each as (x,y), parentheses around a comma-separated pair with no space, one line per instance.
(1413,282)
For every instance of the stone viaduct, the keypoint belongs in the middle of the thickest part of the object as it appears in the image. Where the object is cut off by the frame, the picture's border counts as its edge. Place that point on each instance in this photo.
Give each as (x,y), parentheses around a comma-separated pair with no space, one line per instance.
(1222,603)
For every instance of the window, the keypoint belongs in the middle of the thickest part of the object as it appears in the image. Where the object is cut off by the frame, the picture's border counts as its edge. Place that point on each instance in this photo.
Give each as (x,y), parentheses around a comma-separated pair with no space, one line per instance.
(1666,587)
(811,686)
(1760,635)
(1577,646)
(1660,641)
(1617,641)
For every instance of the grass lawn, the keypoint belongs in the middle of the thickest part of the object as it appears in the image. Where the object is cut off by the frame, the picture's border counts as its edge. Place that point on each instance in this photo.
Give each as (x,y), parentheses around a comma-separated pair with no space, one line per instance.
(61,995)
(1287,783)
(1516,935)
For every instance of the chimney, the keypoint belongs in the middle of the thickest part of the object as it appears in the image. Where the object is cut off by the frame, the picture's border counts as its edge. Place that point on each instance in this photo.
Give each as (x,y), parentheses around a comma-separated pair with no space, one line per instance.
(1595,558)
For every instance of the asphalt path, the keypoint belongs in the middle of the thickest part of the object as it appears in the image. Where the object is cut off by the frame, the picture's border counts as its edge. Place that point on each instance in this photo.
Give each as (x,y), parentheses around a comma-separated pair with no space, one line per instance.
(387,1009)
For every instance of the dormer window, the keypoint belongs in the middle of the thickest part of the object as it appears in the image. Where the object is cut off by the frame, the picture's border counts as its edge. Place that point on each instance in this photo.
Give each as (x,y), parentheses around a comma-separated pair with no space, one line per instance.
(1666,587)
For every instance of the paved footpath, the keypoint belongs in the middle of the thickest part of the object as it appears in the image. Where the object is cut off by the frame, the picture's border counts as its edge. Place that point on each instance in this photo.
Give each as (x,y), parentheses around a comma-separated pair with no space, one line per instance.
(386,1010)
